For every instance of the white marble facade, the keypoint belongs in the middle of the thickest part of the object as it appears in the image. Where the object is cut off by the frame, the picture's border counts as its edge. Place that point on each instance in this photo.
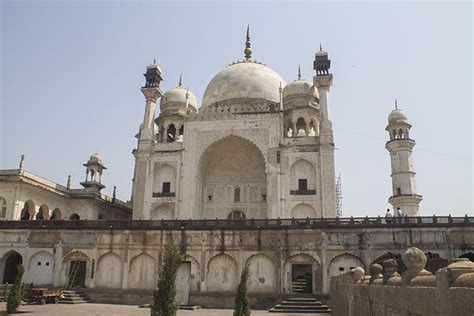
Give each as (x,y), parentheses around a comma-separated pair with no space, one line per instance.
(254,149)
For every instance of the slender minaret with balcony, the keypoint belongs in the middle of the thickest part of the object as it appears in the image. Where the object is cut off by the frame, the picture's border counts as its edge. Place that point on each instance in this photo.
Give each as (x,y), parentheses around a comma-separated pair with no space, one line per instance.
(400,146)
(323,82)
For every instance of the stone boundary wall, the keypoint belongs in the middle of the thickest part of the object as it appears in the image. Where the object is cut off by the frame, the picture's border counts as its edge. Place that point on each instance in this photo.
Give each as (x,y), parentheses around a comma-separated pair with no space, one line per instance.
(415,292)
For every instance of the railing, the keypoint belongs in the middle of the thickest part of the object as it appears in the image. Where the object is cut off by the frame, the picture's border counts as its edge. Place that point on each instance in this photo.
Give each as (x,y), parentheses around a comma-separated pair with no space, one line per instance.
(244,224)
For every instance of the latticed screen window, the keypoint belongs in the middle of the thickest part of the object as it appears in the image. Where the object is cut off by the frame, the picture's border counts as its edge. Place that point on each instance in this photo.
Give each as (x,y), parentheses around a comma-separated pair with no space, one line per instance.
(3,206)
(237,195)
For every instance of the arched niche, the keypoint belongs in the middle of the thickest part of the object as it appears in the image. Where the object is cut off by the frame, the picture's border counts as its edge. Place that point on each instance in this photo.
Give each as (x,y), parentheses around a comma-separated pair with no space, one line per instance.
(109,271)
(142,272)
(162,212)
(43,212)
(164,179)
(303,210)
(302,177)
(40,269)
(222,274)
(263,274)
(344,262)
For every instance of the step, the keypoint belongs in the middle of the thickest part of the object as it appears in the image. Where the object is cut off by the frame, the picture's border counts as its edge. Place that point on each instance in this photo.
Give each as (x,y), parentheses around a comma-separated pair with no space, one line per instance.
(301,299)
(189,307)
(301,307)
(303,303)
(299,311)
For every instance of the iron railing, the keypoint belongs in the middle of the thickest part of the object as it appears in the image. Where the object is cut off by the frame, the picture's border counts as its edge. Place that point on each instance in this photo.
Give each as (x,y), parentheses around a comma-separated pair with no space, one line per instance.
(244,224)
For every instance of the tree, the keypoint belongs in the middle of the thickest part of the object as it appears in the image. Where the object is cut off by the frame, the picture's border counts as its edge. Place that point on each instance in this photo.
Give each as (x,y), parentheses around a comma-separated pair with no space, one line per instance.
(241,307)
(15,294)
(164,297)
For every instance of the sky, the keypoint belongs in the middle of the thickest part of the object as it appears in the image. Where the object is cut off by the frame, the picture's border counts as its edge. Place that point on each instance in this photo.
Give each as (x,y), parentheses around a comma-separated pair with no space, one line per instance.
(71,74)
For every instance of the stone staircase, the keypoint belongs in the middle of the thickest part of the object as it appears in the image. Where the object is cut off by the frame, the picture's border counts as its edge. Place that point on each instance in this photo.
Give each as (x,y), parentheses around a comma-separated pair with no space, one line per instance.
(72,297)
(299,285)
(300,305)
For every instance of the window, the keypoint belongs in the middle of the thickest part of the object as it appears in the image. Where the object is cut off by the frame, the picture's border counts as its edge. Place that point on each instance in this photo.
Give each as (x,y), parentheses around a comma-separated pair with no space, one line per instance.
(39,263)
(302,185)
(341,268)
(3,206)
(399,191)
(237,195)
(166,187)
(47,264)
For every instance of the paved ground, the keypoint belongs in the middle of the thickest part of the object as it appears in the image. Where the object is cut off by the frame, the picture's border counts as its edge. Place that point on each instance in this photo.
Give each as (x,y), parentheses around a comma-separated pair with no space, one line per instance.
(112,310)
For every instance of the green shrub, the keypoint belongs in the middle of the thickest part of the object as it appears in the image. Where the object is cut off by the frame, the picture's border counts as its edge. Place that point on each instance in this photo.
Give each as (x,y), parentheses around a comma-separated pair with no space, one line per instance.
(15,293)
(241,307)
(164,297)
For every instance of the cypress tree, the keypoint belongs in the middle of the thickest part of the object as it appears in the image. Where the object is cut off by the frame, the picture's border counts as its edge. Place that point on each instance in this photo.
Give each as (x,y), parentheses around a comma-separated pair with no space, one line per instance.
(241,307)
(164,297)
(15,294)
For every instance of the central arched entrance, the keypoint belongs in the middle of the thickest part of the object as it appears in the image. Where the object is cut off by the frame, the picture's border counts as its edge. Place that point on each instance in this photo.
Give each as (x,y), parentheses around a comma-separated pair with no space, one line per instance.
(231,175)
(11,260)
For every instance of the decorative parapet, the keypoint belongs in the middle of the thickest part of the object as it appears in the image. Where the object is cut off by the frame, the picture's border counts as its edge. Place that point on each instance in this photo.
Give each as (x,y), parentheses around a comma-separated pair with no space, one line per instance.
(416,292)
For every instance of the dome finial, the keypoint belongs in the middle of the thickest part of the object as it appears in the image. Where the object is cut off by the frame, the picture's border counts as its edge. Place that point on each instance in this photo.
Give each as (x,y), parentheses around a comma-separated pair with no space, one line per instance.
(248,50)
(299,72)
(154,60)
(180,79)
(320,47)
(396,104)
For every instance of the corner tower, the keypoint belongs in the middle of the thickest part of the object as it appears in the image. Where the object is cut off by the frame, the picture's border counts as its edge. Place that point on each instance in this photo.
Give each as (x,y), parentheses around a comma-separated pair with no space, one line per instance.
(400,147)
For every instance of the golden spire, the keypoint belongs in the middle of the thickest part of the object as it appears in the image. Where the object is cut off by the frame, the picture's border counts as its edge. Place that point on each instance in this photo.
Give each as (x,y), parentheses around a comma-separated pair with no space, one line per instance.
(248,50)
(299,72)
(180,79)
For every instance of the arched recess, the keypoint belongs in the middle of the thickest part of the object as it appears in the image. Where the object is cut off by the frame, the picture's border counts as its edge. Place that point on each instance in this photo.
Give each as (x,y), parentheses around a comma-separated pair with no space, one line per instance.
(109,271)
(56,215)
(298,266)
(83,273)
(43,212)
(40,269)
(300,127)
(162,212)
(229,163)
(74,217)
(28,211)
(222,273)
(344,262)
(8,266)
(263,274)
(164,179)
(301,172)
(142,273)
(303,210)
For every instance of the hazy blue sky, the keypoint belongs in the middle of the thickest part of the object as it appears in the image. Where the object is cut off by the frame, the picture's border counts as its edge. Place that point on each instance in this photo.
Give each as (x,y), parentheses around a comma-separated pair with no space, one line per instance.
(71,74)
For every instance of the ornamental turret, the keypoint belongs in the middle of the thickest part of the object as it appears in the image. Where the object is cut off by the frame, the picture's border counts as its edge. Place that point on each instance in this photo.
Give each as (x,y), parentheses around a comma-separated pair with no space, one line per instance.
(400,146)
(94,169)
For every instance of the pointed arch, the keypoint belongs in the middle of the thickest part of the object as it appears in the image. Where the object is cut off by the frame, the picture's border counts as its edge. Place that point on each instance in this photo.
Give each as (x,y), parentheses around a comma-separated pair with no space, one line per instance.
(142,271)
(109,271)
(263,273)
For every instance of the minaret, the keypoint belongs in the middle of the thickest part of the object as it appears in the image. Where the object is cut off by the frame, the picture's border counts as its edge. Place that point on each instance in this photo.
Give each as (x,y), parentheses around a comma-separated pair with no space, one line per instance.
(323,81)
(400,147)
(152,92)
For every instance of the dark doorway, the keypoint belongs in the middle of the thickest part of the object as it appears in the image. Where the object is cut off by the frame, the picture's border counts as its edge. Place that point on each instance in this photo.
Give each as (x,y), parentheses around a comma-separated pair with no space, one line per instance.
(77,273)
(11,265)
(302,278)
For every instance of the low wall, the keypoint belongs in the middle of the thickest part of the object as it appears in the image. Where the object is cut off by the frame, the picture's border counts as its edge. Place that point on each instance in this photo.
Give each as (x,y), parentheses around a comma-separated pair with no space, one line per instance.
(258,301)
(415,292)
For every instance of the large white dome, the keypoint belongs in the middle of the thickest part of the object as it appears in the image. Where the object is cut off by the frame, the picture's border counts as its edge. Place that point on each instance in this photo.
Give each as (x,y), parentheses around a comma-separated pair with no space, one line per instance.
(244,80)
